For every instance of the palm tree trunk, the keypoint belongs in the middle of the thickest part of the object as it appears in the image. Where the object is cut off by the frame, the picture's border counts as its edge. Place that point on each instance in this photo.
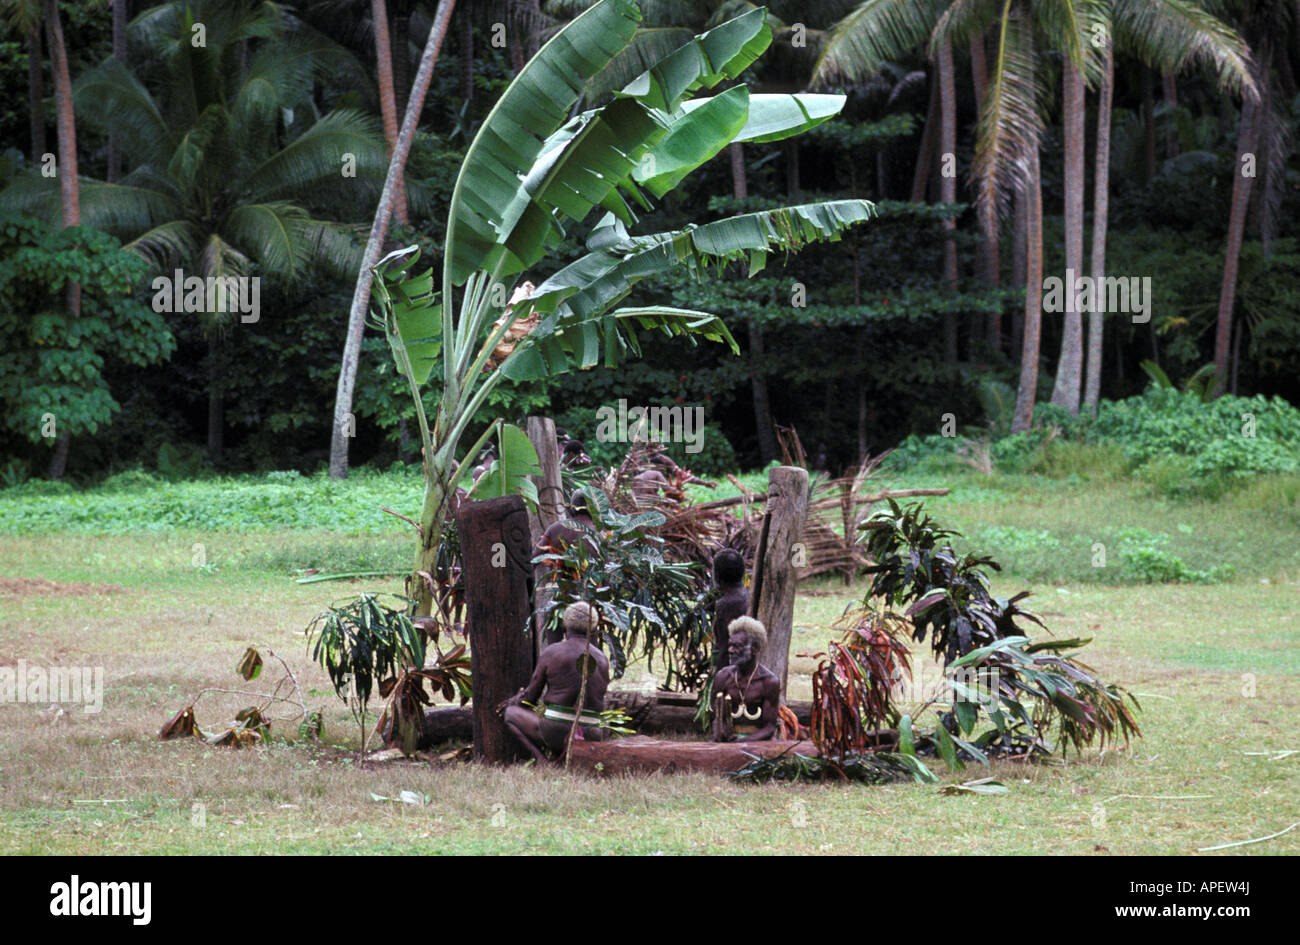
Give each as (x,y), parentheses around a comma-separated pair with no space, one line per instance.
(1169,86)
(1065,390)
(767,449)
(739,180)
(59,458)
(35,95)
(68,181)
(1148,125)
(466,55)
(378,230)
(69,185)
(757,379)
(948,189)
(1023,417)
(119,53)
(216,406)
(1100,219)
(1019,245)
(978,70)
(387,97)
(400,52)
(921,176)
(988,253)
(1246,140)
(792,185)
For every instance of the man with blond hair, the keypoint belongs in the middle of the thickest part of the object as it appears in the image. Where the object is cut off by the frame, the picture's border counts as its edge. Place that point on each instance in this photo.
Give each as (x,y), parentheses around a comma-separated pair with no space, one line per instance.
(746,694)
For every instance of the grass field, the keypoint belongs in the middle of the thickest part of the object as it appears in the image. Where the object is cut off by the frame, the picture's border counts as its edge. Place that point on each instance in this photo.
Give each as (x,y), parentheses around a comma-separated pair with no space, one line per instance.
(169,611)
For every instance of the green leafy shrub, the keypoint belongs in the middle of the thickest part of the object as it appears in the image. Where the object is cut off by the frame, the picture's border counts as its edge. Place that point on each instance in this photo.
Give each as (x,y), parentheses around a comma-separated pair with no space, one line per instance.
(129,480)
(1146,558)
(1236,436)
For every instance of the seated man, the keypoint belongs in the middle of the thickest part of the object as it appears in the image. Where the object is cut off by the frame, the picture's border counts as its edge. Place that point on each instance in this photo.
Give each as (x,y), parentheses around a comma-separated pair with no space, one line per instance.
(559,534)
(746,694)
(732,601)
(555,685)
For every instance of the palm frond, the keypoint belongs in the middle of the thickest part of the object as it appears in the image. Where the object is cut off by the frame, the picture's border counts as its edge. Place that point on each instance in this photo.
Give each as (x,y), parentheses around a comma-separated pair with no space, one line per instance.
(316,157)
(337,248)
(167,245)
(1172,35)
(876,32)
(960,21)
(219,259)
(123,209)
(1073,28)
(273,233)
(34,194)
(1011,122)
(110,98)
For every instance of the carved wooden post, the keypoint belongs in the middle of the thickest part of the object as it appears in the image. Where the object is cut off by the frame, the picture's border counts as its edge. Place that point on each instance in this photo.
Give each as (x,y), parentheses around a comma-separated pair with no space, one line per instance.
(550,501)
(496,548)
(775,570)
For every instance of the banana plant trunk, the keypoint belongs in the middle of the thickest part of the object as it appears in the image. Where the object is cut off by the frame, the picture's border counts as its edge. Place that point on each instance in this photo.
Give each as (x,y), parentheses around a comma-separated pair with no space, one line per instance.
(433,518)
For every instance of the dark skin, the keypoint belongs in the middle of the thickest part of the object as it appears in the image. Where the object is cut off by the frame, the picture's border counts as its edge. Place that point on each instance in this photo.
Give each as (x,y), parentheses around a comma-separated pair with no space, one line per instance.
(559,535)
(557,681)
(646,485)
(670,468)
(733,602)
(745,681)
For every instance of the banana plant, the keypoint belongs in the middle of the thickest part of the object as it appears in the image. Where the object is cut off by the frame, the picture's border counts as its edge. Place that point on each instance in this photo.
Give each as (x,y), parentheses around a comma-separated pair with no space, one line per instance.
(538,165)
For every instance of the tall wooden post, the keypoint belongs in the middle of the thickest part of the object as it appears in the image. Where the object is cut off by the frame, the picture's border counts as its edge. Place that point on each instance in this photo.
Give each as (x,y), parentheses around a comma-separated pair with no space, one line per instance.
(550,503)
(775,567)
(496,548)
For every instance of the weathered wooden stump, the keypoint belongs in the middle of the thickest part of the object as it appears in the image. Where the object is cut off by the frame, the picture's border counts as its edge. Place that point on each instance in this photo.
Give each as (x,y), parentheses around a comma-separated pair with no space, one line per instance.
(776,565)
(496,548)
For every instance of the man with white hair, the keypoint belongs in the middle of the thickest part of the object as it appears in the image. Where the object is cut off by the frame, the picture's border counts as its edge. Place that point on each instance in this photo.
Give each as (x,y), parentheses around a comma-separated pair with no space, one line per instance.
(746,694)
(555,686)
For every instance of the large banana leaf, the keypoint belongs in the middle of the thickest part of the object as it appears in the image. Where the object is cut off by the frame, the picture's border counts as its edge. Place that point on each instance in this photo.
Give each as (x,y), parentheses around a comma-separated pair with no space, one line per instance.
(724,52)
(535,104)
(415,308)
(508,475)
(587,160)
(704,126)
(565,340)
(593,282)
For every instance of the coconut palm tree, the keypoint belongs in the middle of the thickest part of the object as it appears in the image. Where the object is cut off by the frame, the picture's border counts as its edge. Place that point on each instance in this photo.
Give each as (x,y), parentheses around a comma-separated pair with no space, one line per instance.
(1270,27)
(228,164)
(1172,34)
